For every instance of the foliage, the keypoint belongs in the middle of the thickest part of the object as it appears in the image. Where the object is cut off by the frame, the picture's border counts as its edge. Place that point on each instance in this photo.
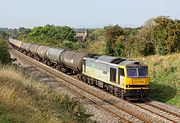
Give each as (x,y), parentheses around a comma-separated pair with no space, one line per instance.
(72,45)
(159,35)
(3,34)
(51,33)
(4,54)
(164,72)
(112,33)
(120,41)
(97,34)
(56,36)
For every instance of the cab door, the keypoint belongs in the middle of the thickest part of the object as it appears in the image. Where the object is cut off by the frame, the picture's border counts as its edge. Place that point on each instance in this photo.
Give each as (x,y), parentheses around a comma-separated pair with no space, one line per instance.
(121,77)
(113,74)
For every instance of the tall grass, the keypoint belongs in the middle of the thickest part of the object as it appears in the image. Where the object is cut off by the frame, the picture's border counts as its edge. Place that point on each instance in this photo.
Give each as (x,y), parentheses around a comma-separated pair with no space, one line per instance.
(23,99)
(165,77)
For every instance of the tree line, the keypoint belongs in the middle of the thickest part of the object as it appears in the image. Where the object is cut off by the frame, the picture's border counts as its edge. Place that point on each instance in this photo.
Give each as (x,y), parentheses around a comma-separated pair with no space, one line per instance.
(160,35)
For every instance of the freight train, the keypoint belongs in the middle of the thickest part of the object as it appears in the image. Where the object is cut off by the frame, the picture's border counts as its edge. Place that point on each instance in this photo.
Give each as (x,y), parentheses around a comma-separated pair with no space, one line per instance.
(123,77)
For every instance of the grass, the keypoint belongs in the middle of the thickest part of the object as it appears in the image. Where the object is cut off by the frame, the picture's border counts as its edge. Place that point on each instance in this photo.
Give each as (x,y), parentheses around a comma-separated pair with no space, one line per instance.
(23,99)
(165,78)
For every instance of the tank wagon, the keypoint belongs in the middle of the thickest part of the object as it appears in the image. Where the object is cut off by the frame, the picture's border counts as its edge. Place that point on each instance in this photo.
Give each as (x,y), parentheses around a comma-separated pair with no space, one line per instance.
(33,49)
(73,61)
(25,48)
(41,53)
(15,43)
(54,57)
(123,77)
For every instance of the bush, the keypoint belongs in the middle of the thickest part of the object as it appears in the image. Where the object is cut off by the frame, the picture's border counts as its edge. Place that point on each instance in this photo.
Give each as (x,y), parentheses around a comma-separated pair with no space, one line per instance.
(4,54)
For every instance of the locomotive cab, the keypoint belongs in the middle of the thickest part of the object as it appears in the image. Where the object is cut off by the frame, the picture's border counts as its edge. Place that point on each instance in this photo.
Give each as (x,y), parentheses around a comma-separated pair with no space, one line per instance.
(136,81)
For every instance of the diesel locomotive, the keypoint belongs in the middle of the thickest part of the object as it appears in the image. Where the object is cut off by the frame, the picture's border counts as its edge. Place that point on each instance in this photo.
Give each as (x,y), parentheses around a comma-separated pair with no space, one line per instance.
(123,77)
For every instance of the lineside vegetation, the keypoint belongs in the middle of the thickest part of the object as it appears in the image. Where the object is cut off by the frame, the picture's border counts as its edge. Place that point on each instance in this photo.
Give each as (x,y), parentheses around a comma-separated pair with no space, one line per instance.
(4,54)
(165,77)
(23,99)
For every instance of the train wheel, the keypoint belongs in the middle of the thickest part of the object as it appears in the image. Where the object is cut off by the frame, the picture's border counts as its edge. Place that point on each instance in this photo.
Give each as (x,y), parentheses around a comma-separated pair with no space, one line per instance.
(110,89)
(79,76)
(117,92)
(89,81)
(48,63)
(58,67)
(122,94)
(105,87)
(83,78)
(63,70)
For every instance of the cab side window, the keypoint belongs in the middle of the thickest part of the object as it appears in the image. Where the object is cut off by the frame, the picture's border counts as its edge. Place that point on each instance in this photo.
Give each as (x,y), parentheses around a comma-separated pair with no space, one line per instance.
(121,71)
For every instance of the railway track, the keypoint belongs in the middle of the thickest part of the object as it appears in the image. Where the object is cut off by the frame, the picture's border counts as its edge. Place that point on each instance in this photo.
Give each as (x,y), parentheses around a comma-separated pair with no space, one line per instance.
(169,109)
(125,111)
(161,112)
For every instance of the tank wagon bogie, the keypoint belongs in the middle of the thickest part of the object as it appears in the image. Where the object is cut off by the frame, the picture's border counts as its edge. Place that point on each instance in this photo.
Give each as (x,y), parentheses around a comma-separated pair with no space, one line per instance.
(123,77)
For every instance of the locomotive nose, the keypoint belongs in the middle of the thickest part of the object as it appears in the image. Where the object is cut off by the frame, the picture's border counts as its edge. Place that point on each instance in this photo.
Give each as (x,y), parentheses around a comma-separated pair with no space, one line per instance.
(138,81)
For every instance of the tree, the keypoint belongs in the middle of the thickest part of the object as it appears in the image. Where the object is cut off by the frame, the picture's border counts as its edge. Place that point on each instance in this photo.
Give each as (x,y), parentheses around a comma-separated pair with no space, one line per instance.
(112,33)
(2,34)
(4,54)
(159,35)
(52,34)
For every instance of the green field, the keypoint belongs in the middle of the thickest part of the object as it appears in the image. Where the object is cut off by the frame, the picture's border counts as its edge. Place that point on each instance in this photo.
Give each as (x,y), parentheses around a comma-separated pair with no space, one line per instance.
(165,78)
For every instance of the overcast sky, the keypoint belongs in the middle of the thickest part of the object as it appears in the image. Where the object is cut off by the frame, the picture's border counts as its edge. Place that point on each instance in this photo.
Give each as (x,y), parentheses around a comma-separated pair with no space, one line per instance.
(84,13)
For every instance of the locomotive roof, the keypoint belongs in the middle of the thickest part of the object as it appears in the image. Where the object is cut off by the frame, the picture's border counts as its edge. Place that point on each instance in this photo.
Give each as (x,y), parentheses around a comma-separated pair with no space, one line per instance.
(132,63)
(107,59)
(110,59)
(115,61)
